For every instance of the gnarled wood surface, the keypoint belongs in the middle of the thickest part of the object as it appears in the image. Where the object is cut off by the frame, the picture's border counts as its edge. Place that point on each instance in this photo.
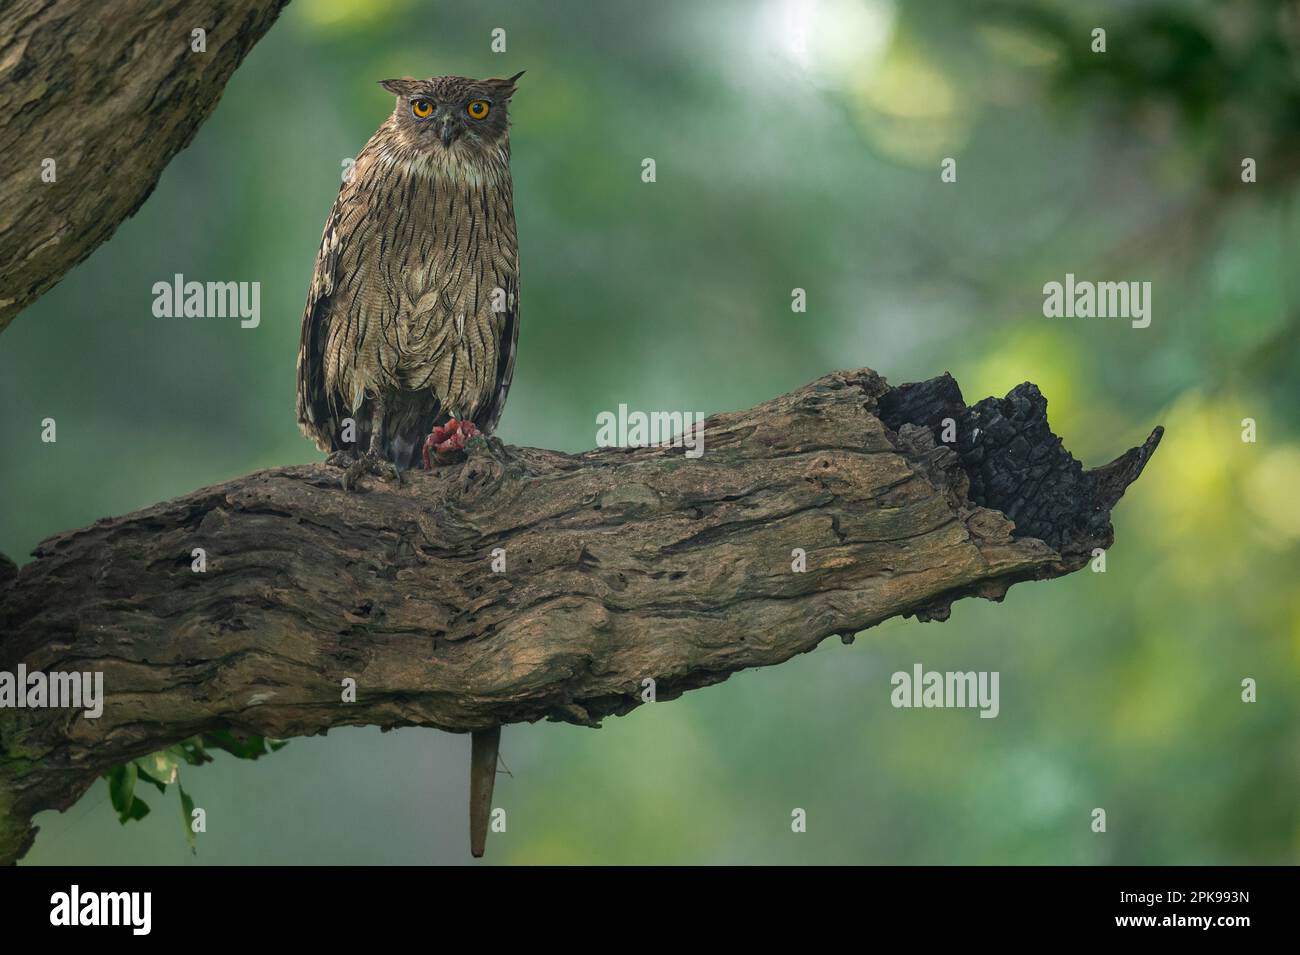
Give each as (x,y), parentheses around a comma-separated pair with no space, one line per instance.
(110,91)
(620,565)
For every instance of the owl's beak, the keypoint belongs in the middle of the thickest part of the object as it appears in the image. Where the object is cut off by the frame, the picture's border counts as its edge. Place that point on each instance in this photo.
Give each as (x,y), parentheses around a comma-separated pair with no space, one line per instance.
(448,129)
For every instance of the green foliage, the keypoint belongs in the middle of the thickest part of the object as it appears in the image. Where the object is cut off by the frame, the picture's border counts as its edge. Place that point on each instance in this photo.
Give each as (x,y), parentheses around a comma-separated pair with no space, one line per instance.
(1197,62)
(163,768)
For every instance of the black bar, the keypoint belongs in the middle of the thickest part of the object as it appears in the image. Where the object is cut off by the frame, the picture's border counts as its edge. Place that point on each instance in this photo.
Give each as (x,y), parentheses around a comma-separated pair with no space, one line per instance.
(331,904)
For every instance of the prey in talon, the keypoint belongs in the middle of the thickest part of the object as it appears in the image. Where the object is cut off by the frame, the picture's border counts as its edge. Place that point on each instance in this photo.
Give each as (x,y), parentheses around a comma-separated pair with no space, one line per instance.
(446,443)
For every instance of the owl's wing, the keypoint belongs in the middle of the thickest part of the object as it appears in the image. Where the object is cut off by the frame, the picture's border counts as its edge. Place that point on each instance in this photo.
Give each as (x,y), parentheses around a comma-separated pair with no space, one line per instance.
(488,417)
(315,410)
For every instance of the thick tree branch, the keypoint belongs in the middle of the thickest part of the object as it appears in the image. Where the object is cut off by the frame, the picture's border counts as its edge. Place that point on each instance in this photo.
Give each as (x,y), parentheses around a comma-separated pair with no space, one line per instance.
(110,92)
(620,565)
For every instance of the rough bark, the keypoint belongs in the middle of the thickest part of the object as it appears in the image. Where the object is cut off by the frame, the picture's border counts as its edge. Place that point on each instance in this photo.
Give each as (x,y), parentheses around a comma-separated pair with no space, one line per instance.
(621,565)
(110,91)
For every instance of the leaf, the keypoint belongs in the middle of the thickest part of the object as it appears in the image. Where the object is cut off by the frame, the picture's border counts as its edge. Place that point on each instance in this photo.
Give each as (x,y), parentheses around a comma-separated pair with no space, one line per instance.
(164,764)
(121,789)
(191,750)
(187,817)
(242,747)
(143,774)
(121,793)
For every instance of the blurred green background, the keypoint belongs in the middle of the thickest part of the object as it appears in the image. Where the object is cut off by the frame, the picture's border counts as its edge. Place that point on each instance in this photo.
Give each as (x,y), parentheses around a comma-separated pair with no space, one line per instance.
(798,144)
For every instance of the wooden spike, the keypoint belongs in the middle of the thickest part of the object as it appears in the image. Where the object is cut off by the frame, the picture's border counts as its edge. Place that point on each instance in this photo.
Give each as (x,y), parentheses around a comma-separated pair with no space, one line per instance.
(482,777)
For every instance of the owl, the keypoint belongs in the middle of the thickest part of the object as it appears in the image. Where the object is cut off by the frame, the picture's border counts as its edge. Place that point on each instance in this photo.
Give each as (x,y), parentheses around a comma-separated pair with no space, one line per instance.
(412,319)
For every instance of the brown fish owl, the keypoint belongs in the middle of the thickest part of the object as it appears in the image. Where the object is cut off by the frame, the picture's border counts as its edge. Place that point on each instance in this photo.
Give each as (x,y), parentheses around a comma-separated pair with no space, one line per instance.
(413,313)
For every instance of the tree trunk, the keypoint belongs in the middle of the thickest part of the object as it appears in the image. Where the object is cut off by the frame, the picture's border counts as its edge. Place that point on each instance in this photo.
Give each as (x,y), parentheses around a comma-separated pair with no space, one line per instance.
(109,92)
(612,569)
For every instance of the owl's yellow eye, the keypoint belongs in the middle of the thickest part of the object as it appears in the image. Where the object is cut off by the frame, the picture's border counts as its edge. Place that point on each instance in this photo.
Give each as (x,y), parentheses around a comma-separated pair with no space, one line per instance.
(422,108)
(478,109)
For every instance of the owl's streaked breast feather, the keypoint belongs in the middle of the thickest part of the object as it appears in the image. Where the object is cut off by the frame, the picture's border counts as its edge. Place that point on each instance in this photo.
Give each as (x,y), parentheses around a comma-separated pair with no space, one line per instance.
(401,300)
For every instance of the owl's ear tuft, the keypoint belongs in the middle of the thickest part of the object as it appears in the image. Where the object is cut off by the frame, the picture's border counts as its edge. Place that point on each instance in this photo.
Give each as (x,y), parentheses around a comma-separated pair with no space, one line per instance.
(400,87)
(506,87)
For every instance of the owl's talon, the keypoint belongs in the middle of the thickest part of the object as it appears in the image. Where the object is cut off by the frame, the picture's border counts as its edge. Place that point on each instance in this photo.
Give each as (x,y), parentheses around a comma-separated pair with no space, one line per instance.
(370,463)
(353,473)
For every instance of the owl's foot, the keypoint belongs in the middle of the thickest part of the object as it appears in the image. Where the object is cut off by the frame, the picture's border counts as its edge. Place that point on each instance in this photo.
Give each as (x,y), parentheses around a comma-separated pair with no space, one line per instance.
(446,445)
(354,469)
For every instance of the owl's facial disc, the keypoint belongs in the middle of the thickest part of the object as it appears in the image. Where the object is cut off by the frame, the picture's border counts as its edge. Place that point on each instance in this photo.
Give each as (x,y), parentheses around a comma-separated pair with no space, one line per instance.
(437,113)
